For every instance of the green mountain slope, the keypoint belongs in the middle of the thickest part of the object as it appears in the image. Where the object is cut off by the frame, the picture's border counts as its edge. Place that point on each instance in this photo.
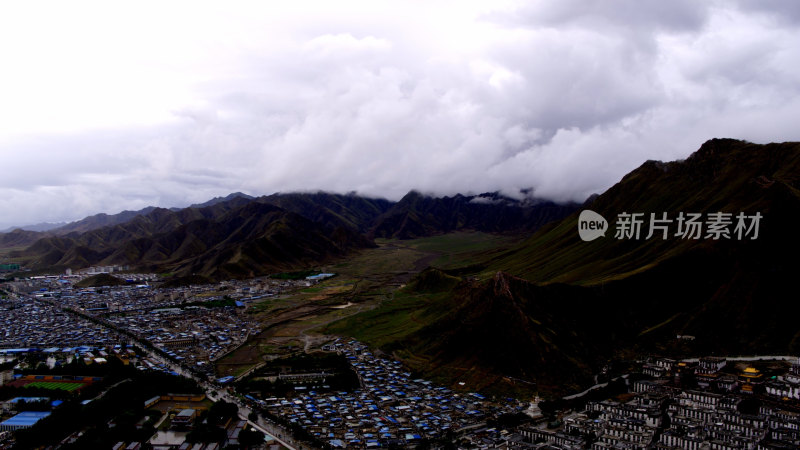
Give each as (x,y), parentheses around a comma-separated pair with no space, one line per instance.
(332,210)
(555,310)
(724,175)
(235,238)
(18,238)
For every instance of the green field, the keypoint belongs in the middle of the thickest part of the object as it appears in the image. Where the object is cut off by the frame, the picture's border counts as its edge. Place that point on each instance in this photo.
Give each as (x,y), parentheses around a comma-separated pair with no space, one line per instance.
(55,385)
(462,248)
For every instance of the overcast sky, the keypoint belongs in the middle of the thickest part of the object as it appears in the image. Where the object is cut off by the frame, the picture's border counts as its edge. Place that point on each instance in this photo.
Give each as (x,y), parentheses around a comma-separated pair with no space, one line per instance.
(106,107)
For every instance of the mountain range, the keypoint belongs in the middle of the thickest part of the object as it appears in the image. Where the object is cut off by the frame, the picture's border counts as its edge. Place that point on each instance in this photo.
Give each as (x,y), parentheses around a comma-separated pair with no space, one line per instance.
(417,215)
(102,219)
(243,236)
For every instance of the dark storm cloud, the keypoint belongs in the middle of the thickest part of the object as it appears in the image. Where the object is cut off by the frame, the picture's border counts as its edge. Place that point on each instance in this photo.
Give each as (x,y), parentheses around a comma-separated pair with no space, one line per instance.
(562,96)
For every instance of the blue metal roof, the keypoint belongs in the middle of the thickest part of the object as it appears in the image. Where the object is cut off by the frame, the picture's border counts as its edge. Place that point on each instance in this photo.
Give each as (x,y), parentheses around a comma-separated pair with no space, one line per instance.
(29,399)
(26,419)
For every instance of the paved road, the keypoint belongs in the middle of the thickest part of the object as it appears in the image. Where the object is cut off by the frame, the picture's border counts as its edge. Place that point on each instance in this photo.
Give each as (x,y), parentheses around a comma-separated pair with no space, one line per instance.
(596,386)
(273,430)
(280,435)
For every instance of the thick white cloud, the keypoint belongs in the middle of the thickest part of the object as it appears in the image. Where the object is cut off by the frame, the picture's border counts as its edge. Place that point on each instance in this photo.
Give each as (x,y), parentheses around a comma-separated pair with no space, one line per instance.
(105,108)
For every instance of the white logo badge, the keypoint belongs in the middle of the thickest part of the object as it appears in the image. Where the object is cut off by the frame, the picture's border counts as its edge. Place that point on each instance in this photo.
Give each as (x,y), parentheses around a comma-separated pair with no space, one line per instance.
(591,225)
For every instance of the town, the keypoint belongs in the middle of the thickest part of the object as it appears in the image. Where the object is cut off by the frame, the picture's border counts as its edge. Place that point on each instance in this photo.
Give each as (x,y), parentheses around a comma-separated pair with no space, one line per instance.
(707,403)
(193,325)
(390,408)
(667,403)
(189,327)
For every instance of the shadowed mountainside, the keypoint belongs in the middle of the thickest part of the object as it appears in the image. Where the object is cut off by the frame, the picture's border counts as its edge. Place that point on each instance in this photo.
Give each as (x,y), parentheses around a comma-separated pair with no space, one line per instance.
(555,309)
(228,239)
(417,215)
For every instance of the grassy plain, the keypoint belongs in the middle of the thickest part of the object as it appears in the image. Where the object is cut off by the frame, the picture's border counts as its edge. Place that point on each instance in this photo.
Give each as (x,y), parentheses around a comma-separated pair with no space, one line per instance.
(310,316)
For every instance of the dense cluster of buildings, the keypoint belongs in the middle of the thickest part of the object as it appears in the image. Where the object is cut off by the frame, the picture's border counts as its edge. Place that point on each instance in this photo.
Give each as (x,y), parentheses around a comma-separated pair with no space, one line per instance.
(194,334)
(194,325)
(711,403)
(694,406)
(391,408)
(30,323)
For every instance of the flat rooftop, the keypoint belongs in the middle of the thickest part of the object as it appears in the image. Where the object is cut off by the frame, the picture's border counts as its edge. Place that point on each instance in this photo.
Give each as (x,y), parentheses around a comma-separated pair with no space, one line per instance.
(26,419)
